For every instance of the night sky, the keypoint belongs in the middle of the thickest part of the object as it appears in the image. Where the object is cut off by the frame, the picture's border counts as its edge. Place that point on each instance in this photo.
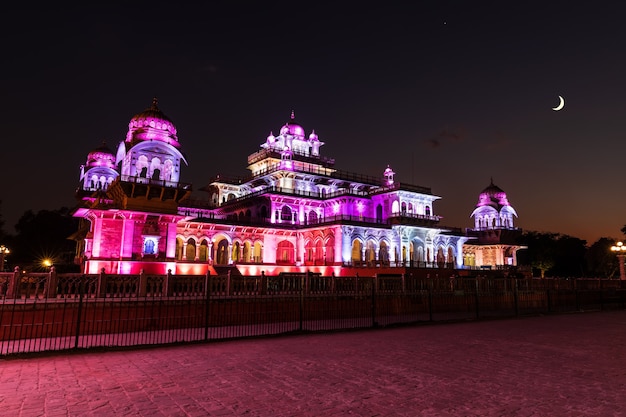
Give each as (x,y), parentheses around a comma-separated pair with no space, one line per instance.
(449,94)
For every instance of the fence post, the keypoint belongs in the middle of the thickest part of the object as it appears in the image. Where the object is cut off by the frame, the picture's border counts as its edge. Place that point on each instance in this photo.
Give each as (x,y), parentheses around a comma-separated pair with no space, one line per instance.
(301,302)
(430,301)
(51,290)
(207,305)
(81,290)
(516,298)
(263,283)
(143,283)
(101,284)
(14,283)
(374,284)
(167,284)
(307,282)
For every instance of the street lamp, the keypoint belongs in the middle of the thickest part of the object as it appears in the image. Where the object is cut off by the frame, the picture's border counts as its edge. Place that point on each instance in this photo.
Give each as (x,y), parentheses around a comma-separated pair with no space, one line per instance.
(620,251)
(47,263)
(3,252)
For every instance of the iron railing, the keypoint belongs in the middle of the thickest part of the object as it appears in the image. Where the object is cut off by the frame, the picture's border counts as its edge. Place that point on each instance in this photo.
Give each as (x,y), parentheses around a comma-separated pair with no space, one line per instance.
(50,312)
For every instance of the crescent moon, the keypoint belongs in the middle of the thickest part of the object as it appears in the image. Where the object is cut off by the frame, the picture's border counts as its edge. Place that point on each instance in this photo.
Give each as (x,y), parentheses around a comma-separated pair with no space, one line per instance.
(561,104)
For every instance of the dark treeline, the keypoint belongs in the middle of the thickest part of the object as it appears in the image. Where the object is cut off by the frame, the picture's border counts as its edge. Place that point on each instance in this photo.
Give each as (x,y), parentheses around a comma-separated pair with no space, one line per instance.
(557,255)
(41,236)
(47,234)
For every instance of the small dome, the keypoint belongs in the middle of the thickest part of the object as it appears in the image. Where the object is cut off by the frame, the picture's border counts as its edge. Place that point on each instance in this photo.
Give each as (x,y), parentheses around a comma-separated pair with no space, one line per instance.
(493,196)
(271,138)
(101,156)
(492,190)
(313,137)
(292,128)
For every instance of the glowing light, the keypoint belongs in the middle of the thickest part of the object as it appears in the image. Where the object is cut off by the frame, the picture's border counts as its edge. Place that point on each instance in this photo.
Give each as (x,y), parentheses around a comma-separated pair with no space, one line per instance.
(3,252)
(619,247)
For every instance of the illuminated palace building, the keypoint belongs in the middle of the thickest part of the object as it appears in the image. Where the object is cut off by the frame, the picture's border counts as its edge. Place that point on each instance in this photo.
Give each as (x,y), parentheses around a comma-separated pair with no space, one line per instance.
(295,212)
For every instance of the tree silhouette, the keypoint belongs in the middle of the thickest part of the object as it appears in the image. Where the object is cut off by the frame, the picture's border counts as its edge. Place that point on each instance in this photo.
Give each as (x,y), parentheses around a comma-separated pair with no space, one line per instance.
(601,262)
(44,235)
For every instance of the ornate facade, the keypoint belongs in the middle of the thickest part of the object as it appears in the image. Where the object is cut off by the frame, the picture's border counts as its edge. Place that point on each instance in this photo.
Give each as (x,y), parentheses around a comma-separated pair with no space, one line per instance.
(295,212)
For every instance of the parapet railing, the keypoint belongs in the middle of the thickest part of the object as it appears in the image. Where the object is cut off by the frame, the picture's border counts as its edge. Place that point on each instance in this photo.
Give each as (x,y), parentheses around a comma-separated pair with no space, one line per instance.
(50,285)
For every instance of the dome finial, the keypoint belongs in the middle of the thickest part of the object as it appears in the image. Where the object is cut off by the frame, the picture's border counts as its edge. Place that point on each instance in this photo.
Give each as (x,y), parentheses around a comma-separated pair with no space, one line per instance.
(293,116)
(155,101)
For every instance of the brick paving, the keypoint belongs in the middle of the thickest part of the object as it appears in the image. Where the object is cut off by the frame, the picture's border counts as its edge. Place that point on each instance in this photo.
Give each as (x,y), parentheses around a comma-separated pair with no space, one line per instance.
(561,365)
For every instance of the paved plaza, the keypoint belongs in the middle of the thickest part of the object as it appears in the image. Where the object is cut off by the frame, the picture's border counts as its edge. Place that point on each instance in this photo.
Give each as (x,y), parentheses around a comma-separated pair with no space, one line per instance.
(561,365)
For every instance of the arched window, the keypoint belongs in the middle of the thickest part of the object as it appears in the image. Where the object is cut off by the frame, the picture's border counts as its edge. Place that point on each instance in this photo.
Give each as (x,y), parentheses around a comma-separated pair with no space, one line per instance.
(319,252)
(142,166)
(221,252)
(285,213)
(179,248)
(191,250)
(246,252)
(203,252)
(258,253)
(383,254)
(356,253)
(168,169)
(379,213)
(236,252)
(330,250)
(395,207)
(312,217)
(285,252)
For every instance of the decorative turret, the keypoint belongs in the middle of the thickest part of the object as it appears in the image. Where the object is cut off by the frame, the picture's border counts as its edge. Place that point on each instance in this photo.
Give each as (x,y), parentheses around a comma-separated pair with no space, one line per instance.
(493,210)
(389,176)
(99,170)
(292,136)
(151,149)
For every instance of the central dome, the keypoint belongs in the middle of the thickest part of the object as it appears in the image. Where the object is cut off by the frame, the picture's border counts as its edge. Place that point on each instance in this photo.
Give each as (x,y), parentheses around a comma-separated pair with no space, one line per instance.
(292,128)
(152,124)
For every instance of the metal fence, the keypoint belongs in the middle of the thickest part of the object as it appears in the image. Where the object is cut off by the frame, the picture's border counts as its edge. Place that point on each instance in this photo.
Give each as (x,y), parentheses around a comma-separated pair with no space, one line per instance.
(49,312)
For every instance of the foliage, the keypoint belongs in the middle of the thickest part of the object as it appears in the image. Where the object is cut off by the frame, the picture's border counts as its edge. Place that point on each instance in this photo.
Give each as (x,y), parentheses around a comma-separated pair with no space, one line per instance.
(2,235)
(43,235)
(553,254)
(539,252)
(569,257)
(601,262)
